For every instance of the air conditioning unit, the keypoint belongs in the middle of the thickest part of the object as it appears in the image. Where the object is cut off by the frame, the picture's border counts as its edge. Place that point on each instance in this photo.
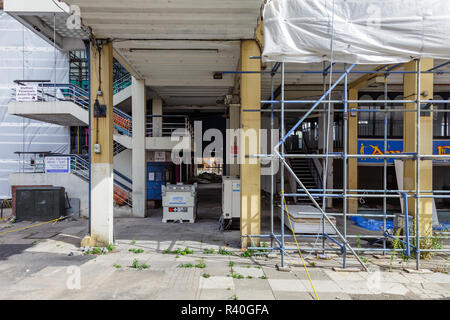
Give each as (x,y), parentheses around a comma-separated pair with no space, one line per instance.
(231,203)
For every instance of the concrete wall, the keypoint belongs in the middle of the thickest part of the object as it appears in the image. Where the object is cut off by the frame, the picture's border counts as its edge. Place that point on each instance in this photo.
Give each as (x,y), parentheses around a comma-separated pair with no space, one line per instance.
(122,163)
(75,186)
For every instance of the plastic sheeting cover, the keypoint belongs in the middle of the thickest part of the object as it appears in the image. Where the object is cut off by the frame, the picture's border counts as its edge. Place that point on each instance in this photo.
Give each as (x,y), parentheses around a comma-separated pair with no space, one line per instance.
(25,56)
(365,31)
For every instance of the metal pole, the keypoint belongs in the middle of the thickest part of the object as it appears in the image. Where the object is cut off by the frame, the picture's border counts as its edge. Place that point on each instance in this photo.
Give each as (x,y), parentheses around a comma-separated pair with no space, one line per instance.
(325,145)
(272,176)
(282,166)
(344,254)
(385,160)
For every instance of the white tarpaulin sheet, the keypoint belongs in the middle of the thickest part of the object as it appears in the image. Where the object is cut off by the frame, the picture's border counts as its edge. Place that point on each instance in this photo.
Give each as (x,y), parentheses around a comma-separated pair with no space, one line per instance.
(25,56)
(365,31)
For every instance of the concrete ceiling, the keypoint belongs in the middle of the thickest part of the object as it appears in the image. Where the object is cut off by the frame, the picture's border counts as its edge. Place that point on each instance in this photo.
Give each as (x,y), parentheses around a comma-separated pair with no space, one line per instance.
(176,45)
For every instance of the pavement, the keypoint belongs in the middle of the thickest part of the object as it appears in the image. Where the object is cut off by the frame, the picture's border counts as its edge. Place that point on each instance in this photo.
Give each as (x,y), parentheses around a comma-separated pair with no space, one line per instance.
(46,262)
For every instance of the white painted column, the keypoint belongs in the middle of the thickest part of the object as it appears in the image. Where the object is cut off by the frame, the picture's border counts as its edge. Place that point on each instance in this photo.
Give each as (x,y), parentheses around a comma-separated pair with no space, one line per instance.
(138,155)
(157,121)
(323,127)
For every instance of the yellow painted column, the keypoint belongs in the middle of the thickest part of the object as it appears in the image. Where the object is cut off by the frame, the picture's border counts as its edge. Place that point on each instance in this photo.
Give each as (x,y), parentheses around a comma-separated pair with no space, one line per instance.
(353,149)
(426,142)
(235,123)
(250,144)
(101,140)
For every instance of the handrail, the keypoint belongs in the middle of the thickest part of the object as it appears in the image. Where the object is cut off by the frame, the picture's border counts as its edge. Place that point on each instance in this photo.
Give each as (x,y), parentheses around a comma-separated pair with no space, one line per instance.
(123,177)
(47,92)
(313,167)
(168,128)
(122,83)
(122,114)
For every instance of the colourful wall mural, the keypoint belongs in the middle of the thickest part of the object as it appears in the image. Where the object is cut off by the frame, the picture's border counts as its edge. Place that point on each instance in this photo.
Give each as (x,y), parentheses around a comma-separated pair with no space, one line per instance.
(376,147)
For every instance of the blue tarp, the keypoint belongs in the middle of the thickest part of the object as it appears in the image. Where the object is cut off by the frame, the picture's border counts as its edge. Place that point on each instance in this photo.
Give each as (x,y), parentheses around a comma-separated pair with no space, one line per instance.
(444,226)
(372,224)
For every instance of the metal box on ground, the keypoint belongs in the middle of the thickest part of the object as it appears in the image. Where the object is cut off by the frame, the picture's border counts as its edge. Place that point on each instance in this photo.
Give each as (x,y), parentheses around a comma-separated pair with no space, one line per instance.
(40,203)
(231,203)
(307,219)
(179,202)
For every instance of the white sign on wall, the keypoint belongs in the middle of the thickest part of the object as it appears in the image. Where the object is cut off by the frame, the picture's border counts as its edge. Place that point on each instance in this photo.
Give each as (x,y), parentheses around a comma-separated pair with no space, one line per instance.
(26,93)
(160,156)
(57,165)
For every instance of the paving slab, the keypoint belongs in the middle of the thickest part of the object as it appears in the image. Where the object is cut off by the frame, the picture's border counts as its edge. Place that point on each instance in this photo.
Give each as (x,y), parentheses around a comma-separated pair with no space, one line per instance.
(249,272)
(251,284)
(216,294)
(321,286)
(252,294)
(437,277)
(333,296)
(216,283)
(272,273)
(315,274)
(292,285)
(357,287)
(344,276)
(292,295)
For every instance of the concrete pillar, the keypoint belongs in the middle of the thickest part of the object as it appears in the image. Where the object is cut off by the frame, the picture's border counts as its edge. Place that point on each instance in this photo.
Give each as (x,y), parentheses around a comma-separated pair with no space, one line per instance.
(250,167)
(139,164)
(352,172)
(157,121)
(426,142)
(101,134)
(235,123)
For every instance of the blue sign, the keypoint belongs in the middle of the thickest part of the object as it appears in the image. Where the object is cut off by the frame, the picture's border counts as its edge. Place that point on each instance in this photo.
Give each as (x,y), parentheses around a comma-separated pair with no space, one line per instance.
(376,147)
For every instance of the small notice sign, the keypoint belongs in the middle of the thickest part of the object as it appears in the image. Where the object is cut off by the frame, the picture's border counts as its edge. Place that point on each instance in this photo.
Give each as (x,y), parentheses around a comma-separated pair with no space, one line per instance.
(26,93)
(160,156)
(57,165)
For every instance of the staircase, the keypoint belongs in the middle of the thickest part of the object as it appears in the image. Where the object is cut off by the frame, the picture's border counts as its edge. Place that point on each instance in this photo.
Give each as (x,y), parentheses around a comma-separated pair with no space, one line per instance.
(122,192)
(118,148)
(304,169)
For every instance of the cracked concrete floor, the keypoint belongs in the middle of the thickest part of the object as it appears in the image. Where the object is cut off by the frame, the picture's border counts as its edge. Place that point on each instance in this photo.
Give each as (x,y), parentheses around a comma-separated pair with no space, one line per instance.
(35,267)
(47,263)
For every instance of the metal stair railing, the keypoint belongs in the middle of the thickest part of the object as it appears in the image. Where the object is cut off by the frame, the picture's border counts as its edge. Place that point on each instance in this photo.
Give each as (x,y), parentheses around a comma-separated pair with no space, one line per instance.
(123,122)
(49,92)
(313,167)
(118,148)
(170,126)
(122,83)
(80,168)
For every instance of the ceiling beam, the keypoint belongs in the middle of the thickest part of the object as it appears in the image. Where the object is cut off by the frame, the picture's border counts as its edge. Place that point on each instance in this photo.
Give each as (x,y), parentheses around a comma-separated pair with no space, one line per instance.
(124,62)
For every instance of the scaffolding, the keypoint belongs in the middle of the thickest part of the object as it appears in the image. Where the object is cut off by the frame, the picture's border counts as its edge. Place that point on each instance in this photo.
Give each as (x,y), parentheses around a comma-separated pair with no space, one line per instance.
(342,238)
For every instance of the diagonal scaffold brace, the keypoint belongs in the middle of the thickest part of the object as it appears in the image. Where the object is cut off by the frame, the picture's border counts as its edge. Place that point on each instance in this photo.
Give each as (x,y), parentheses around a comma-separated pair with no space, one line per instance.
(282,158)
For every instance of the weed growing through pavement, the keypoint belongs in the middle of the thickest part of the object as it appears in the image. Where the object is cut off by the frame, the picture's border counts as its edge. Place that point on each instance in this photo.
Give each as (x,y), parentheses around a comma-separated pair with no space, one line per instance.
(179,251)
(225,252)
(137,251)
(137,265)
